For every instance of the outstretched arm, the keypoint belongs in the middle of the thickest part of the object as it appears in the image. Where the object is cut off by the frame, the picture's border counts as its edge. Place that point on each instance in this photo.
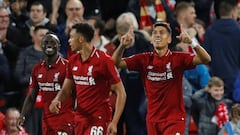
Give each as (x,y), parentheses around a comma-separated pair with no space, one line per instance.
(120,103)
(64,94)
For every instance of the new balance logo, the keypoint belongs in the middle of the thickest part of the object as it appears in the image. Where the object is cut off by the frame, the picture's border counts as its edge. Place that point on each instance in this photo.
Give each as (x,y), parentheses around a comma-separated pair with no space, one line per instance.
(75,68)
(149,67)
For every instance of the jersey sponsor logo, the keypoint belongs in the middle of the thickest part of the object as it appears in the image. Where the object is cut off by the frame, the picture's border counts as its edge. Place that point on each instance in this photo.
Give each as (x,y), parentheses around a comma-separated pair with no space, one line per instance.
(156,76)
(96,130)
(62,133)
(84,80)
(49,86)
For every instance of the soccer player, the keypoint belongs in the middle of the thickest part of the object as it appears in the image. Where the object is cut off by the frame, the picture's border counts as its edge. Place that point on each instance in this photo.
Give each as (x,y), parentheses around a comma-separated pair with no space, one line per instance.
(47,77)
(93,74)
(162,73)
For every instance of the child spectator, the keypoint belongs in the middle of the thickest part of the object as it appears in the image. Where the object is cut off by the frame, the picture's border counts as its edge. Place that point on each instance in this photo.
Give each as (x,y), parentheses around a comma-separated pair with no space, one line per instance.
(210,112)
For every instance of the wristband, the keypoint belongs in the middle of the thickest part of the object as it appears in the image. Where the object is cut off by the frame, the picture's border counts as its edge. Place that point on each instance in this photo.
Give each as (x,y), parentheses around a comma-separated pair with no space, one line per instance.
(194,43)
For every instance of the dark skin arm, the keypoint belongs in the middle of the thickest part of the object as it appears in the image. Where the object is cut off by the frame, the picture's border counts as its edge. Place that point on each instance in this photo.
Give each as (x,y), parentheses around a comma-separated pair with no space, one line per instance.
(28,105)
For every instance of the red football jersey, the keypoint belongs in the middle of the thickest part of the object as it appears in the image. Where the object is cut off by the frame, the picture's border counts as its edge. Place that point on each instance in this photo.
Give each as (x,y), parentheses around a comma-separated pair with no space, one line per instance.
(162,78)
(93,79)
(49,80)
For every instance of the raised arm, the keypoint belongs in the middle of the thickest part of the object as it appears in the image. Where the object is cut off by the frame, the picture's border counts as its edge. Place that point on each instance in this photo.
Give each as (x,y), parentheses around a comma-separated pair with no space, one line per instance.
(125,41)
(202,57)
(64,94)
(120,103)
(54,14)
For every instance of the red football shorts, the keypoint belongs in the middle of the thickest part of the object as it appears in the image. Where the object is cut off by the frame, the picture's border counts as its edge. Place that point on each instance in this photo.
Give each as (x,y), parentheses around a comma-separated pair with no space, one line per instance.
(166,128)
(58,130)
(91,127)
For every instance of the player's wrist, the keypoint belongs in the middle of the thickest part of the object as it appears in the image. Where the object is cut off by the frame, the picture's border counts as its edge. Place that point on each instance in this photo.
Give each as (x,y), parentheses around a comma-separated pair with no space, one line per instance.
(194,43)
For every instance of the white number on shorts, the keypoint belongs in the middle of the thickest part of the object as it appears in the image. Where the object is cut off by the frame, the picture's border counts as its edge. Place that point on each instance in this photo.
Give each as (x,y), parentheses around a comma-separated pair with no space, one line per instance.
(61,133)
(96,130)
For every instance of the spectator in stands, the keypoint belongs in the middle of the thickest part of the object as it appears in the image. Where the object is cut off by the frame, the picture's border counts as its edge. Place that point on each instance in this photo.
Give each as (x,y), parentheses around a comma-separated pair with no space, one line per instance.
(211,112)
(222,42)
(99,40)
(185,16)
(10,44)
(11,40)
(37,16)
(200,28)
(19,14)
(74,10)
(10,123)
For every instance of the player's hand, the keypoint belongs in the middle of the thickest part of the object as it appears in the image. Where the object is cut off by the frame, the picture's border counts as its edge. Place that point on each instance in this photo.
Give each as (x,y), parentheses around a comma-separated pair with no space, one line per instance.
(55,106)
(20,123)
(112,129)
(128,38)
(184,37)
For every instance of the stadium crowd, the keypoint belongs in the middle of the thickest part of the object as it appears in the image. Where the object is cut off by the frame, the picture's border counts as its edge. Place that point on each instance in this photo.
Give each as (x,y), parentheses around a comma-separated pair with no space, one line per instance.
(34,33)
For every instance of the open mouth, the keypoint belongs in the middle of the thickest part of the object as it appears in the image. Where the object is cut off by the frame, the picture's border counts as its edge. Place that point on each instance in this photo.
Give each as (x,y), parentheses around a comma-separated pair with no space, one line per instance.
(157,40)
(49,49)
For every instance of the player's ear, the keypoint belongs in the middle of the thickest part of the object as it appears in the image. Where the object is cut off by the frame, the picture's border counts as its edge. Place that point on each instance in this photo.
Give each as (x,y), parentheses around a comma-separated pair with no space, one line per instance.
(80,39)
(169,39)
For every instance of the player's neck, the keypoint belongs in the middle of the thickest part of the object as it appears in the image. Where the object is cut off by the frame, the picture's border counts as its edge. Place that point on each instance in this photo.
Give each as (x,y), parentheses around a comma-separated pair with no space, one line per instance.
(161,52)
(51,60)
(86,51)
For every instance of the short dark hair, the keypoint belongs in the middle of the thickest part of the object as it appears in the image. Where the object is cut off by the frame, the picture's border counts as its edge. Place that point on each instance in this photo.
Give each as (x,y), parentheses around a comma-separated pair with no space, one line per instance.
(39,27)
(37,3)
(84,29)
(164,24)
(226,6)
(99,23)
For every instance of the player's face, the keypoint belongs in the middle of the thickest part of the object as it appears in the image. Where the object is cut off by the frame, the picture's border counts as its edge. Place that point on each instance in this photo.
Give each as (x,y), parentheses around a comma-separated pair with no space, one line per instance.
(50,45)
(160,37)
(216,92)
(74,42)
